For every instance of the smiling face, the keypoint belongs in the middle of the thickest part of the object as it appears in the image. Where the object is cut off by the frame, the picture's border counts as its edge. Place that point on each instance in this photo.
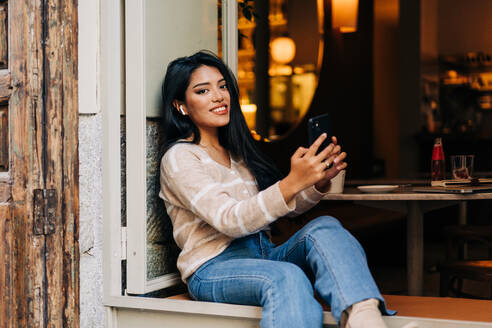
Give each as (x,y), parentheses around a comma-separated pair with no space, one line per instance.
(207,99)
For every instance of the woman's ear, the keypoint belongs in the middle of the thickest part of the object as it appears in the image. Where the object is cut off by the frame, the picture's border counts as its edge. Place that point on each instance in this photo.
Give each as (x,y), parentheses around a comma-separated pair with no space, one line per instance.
(179,106)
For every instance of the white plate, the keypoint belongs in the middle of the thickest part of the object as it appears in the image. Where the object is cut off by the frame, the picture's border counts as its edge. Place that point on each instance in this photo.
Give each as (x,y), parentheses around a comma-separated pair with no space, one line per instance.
(377,188)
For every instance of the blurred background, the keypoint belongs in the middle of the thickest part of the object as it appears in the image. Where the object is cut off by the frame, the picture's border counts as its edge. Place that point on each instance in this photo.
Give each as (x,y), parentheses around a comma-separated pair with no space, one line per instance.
(392,74)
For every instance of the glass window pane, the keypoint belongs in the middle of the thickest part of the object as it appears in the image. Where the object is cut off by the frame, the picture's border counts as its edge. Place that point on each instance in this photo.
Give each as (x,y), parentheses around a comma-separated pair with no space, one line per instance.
(293,50)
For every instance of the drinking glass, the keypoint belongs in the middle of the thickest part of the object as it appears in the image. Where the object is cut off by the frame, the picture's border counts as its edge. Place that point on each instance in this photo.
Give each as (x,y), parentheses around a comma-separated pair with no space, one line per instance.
(462,166)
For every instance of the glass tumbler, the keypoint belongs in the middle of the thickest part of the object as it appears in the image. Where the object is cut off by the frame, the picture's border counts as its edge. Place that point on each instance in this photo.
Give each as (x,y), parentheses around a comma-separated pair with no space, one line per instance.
(462,166)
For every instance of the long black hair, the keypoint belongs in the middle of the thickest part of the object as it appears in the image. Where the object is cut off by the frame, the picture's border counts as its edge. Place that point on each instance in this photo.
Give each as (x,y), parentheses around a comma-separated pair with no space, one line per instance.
(235,136)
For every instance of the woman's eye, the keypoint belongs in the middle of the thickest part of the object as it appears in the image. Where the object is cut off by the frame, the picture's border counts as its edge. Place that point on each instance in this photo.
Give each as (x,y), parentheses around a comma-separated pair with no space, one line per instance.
(223,86)
(202,91)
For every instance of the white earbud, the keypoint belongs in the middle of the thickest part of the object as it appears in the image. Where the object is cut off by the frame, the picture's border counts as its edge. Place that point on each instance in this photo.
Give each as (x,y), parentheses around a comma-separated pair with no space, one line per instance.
(181,110)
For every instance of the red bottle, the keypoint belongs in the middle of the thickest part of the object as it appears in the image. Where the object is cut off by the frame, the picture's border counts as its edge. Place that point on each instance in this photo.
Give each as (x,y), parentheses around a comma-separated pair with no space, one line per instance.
(438,164)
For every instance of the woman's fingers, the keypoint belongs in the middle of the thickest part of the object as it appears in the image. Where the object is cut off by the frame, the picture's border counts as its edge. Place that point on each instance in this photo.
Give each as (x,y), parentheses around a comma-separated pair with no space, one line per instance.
(339,161)
(329,152)
(332,148)
(325,153)
(300,152)
(334,170)
(315,146)
(335,159)
(307,168)
(340,157)
(341,166)
(329,161)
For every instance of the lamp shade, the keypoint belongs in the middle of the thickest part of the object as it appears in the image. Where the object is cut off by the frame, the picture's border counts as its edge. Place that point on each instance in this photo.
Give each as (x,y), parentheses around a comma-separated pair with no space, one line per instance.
(283,50)
(344,15)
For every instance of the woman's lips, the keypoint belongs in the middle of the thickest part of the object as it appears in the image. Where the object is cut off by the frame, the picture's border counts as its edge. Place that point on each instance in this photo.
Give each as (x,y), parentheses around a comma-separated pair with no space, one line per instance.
(222,110)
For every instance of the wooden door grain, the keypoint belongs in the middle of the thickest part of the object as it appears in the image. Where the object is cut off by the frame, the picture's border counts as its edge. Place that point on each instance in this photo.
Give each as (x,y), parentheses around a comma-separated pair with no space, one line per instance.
(39,184)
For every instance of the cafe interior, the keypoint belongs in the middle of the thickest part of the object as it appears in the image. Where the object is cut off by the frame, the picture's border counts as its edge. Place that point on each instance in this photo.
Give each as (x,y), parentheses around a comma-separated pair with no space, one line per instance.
(393,76)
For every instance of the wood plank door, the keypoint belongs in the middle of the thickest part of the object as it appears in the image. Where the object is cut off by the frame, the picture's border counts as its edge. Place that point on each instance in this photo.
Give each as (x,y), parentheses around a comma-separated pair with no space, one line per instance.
(38,164)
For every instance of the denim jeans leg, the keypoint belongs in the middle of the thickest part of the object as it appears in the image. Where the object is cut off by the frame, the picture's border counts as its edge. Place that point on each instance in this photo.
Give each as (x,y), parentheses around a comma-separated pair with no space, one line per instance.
(281,288)
(337,261)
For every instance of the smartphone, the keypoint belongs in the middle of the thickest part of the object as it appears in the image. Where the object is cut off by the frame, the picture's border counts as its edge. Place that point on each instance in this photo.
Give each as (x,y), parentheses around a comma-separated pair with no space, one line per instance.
(318,125)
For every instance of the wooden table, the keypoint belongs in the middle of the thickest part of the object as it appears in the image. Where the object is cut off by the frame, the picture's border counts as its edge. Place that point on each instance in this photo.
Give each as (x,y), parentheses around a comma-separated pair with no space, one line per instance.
(414,204)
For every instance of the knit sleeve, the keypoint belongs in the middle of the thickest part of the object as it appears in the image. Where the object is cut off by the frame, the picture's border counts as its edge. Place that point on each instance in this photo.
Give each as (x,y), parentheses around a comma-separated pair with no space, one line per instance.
(193,186)
(305,200)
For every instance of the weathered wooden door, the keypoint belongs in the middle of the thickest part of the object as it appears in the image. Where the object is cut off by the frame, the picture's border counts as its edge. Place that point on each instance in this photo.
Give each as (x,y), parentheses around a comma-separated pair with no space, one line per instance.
(38,164)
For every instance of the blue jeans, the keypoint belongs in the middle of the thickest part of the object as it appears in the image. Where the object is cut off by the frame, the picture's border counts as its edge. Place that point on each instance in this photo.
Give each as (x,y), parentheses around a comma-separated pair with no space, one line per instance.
(252,271)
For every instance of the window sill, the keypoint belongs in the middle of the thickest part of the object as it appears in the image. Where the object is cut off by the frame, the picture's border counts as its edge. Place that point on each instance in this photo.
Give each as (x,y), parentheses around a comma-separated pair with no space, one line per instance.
(184,306)
(157,311)
(195,310)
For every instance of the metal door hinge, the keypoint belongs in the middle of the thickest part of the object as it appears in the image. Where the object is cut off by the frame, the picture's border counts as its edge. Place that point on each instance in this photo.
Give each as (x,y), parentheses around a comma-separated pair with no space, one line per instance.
(45,202)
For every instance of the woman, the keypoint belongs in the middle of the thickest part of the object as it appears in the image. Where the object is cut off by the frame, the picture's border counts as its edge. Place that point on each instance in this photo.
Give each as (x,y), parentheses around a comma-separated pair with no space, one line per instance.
(221,195)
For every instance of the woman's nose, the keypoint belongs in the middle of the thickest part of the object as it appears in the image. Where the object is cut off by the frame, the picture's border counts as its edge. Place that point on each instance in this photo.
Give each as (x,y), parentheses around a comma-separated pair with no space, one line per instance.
(217,95)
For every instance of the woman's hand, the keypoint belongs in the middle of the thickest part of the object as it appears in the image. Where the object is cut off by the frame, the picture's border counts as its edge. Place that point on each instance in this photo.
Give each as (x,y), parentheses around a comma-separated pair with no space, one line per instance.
(338,160)
(307,168)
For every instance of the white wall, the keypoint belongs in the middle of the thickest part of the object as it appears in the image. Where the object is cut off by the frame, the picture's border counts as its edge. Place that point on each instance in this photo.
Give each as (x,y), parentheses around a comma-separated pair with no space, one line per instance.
(90,233)
(90,169)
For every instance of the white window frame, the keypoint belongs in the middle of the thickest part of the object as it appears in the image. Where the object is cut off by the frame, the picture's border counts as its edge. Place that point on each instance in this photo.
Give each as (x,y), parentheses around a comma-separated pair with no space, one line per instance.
(140,82)
(136,157)
(112,104)
(112,77)
(87,56)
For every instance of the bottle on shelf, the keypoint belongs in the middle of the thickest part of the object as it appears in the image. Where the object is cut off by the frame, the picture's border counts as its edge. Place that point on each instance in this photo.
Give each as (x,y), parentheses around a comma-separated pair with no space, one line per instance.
(438,164)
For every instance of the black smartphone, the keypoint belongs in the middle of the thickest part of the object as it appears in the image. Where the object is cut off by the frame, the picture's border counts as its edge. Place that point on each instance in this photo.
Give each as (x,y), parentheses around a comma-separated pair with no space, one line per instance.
(318,125)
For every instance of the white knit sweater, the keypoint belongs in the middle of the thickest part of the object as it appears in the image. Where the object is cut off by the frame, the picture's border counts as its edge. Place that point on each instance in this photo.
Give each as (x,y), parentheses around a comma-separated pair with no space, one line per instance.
(210,204)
